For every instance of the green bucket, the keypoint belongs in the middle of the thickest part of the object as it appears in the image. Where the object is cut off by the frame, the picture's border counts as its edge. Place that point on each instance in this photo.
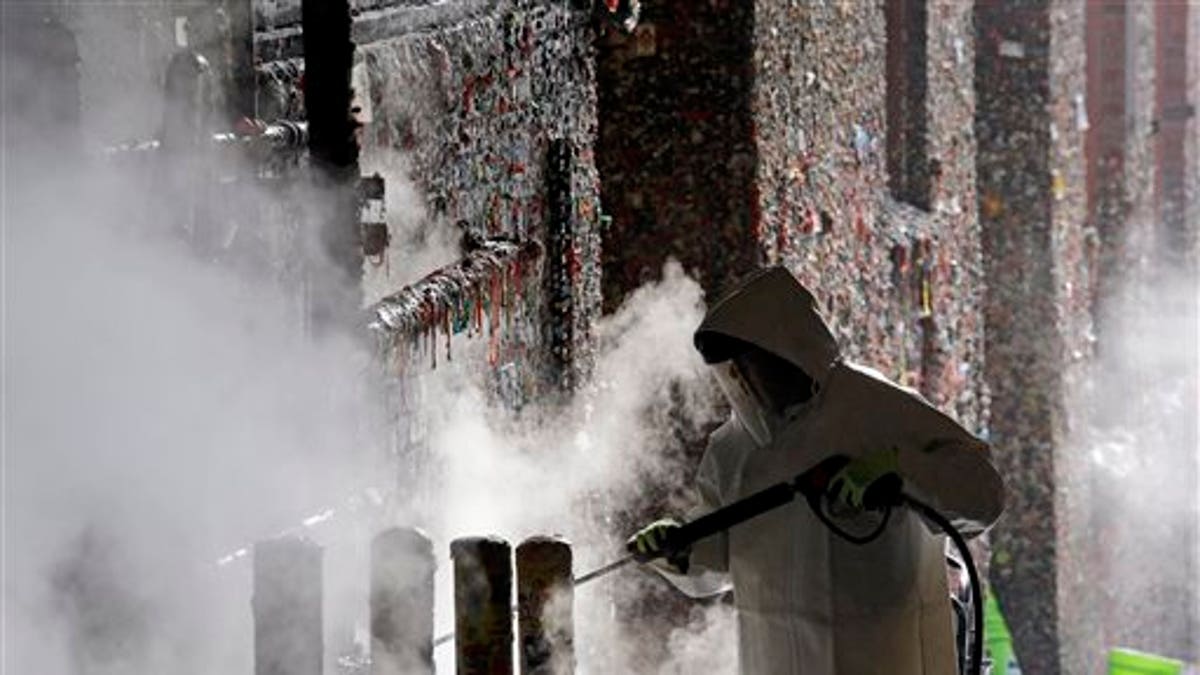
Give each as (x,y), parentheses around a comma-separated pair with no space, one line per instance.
(1132,662)
(998,640)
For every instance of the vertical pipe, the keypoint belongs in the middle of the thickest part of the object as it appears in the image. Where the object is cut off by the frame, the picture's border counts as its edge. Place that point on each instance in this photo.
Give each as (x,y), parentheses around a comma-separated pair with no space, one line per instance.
(545,606)
(187,167)
(402,567)
(907,84)
(333,151)
(287,607)
(561,263)
(483,630)
(243,87)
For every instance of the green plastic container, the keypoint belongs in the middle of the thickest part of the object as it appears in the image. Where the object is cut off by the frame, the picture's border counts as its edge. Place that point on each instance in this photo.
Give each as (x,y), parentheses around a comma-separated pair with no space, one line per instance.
(997,640)
(1132,662)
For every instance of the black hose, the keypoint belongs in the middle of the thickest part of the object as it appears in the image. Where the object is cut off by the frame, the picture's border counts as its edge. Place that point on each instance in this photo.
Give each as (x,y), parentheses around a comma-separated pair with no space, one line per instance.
(734,514)
(846,534)
(974,667)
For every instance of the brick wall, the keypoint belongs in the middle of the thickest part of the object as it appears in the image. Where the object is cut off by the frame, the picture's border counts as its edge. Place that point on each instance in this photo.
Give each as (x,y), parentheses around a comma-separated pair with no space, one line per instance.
(900,278)
(1030,84)
(1177,234)
(1192,215)
(474,95)
(476,104)
(1174,114)
(674,150)
(786,162)
(1133,75)
(1106,138)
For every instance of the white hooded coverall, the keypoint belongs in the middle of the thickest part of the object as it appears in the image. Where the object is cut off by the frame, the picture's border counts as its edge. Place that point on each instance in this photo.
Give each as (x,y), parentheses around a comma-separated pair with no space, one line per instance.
(809,602)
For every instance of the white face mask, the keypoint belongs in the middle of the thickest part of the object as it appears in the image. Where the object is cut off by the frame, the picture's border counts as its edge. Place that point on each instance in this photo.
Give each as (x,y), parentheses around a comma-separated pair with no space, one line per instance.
(753,413)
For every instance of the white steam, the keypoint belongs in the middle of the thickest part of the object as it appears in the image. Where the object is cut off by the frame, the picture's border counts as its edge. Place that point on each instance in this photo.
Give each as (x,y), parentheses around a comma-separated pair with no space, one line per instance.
(158,414)
(518,476)
(162,413)
(565,470)
(1137,440)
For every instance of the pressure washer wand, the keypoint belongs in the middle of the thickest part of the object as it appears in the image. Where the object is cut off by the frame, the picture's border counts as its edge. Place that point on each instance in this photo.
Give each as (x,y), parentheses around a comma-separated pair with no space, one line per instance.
(602,571)
(811,484)
(808,483)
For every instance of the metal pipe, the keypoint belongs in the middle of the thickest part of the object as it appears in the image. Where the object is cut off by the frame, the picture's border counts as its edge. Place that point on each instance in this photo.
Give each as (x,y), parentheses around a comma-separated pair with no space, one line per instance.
(281,136)
(425,304)
(336,285)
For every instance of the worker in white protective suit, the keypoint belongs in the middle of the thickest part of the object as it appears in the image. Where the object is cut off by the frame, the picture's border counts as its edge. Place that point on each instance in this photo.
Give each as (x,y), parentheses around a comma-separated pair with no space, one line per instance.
(808,601)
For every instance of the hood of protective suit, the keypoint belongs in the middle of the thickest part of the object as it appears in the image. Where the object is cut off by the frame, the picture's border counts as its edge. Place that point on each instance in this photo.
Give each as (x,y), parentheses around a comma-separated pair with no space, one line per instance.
(808,601)
(773,311)
(859,409)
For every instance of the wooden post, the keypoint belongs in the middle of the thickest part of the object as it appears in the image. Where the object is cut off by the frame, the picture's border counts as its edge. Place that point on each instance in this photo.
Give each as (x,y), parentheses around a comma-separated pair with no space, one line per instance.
(402,567)
(288,637)
(545,605)
(483,626)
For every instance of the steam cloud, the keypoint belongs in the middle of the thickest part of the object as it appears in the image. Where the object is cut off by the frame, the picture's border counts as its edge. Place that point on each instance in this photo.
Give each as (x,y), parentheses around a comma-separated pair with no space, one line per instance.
(163,412)
(570,470)
(1137,440)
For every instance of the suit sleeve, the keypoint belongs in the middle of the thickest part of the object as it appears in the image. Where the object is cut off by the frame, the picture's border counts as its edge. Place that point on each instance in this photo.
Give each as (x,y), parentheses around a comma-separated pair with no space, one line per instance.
(957,478)
(943,465)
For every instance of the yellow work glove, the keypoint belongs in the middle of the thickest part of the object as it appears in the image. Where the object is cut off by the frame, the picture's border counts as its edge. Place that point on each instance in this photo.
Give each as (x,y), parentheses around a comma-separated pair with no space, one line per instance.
(649,543)
(849,487)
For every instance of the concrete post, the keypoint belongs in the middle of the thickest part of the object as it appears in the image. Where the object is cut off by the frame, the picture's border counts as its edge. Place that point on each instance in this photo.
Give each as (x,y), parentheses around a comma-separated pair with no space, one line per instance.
(287,607)
(545,606)
(483,630)
(402,567)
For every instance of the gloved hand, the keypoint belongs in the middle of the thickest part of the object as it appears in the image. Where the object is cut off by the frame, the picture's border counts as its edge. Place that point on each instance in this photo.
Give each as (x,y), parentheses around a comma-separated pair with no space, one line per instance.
(648,544)
(850,486)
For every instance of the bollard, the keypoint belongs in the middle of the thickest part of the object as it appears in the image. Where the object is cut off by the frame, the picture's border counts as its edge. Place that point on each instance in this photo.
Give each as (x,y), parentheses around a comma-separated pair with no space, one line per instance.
(545,606)
(483,630)
(402,567)
(287,607)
